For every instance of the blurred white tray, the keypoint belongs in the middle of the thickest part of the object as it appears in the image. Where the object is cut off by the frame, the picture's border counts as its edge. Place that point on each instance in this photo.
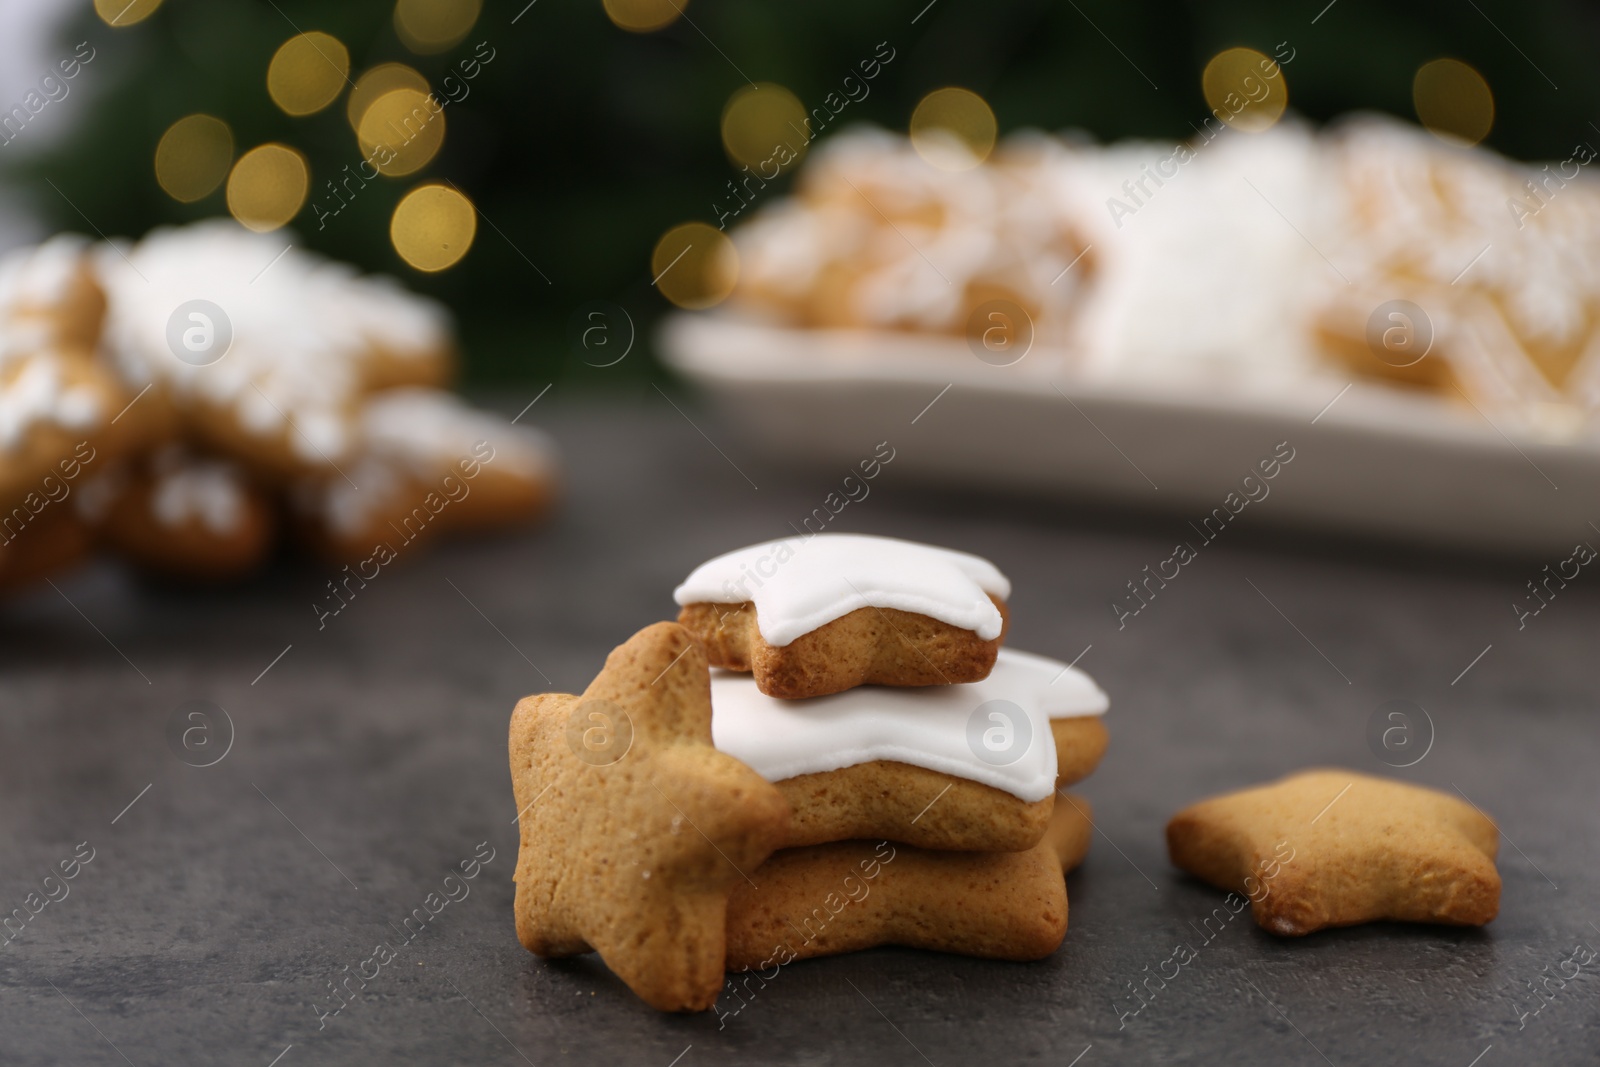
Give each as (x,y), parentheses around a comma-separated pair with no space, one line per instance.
(1378,461)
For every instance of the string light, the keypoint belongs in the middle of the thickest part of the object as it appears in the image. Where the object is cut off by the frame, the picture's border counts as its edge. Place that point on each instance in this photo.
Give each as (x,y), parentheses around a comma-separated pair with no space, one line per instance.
(433,227)
(1245,89)
(402,131)
(307,73)
(644,16)
(757,119)
(1453,101)
(953,129)
(268,186)
(695,265)
(430,26)
(193,157)
(120,13)
(374,83)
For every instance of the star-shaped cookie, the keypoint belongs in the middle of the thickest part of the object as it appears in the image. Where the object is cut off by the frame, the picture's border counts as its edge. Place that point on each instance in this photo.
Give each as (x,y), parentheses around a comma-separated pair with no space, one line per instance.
(852,895)
(634,828)
(1333,848)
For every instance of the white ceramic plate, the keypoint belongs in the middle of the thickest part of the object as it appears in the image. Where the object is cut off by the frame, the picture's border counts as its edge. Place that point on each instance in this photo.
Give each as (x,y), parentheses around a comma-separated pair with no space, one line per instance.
(1378,461)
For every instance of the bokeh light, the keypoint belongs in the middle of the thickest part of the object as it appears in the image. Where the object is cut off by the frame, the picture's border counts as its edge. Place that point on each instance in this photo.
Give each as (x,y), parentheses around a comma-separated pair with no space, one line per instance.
(429,26)
(374,83)
(1453,101)
(402,131)
(307,73)
(953,129)
(433,226)
(759,118)
(121,13)
(1245,89)
(643,16)
(695,265)
(268,186)
(193,157)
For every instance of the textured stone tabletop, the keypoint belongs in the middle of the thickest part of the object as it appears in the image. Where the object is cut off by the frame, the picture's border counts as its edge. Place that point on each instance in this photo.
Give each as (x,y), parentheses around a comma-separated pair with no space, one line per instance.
(219,904)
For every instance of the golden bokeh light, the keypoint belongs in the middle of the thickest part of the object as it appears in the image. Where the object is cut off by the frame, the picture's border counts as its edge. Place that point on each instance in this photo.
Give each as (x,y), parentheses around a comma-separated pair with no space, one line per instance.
(1245,89)
(432,227)
(953,129)
(695,265)
(307,73)
(402,131)
(757,120)
(193,157)
(374,83)
(644,16)
(120,13)
(1453,101)
(429,26)
(268,187)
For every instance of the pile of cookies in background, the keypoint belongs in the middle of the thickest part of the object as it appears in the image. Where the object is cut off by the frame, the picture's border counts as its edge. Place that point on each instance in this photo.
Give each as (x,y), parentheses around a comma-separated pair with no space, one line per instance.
(1373,247)
(829,751)
(188,401)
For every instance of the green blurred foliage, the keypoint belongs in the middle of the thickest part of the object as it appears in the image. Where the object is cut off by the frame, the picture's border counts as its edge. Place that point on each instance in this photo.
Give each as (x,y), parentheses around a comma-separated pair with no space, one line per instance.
(581,143)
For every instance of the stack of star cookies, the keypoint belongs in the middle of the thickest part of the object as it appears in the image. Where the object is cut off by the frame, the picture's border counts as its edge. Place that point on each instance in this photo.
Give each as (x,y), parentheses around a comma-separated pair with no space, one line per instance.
(180,399)
(853,760)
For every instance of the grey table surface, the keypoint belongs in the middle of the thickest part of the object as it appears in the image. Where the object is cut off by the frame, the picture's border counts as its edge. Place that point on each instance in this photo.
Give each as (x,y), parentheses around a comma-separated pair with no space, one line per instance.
(368,761)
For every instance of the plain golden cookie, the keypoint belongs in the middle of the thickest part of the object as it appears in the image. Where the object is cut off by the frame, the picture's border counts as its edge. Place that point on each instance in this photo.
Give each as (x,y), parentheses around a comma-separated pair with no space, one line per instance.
(828,899)
(634,828)
(1333,848)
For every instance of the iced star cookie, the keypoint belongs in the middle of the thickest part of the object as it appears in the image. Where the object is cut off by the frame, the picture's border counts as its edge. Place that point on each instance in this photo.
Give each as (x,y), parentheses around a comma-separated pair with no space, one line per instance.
(1333,848)
(634,828)
(187,516)
(809,616)
(968,767)
(49,295)
(828,899)
(509,471)
(267,351)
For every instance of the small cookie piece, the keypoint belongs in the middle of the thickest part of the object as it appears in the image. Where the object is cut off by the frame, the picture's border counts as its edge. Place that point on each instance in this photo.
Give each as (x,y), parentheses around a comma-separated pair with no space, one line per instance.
(497,473)
(634,828)
(821,614)
(963,768)
(852,895)
(1360,849)
(188,516)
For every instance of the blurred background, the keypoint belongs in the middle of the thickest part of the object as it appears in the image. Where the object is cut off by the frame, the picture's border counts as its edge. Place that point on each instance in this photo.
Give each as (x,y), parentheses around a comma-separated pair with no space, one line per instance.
(590,133)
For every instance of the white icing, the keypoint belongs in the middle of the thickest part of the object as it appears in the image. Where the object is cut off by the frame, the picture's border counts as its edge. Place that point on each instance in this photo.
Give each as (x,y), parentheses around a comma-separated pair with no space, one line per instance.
(211,492)
(40,393)
(302,327)
(41,277)
(800,583)
(430,430)
(926,727)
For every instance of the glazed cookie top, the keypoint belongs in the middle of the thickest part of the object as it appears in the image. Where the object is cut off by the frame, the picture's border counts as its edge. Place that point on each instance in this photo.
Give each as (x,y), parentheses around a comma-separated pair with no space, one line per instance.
(995,732)
(800,583)
(302,329)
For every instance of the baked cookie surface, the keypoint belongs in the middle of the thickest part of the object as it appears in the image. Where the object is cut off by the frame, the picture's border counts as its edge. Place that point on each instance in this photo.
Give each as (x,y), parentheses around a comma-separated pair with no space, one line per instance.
(1334,848)
(633,827)
(852,895)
